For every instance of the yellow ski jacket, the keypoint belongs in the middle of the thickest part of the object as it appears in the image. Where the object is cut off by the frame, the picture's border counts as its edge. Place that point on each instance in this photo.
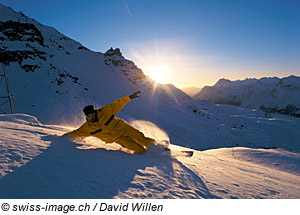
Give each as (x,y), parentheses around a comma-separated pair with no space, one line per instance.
(107,127)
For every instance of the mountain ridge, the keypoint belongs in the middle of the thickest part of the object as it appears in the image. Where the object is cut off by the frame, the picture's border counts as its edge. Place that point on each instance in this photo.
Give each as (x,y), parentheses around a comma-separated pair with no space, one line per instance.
(272,95)
(62,69)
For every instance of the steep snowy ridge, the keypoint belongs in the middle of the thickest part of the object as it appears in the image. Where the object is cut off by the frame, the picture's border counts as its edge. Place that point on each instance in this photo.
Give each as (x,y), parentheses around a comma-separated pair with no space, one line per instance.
(46,66)
(272,95)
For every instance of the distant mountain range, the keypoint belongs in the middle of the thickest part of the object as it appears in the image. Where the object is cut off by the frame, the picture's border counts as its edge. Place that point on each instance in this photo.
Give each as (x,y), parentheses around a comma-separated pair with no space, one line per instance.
(272,95)
(191,91)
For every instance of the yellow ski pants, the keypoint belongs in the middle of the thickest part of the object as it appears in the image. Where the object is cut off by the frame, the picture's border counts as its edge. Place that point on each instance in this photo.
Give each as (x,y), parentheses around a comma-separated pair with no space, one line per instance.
(135,140)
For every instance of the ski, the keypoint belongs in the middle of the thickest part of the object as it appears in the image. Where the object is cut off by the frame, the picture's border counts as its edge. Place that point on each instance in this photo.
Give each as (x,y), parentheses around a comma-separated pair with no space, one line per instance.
(176,153)
(162,146)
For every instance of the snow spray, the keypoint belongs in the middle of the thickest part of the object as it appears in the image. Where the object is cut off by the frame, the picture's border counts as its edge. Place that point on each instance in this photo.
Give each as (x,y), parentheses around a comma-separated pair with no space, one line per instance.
(150,130)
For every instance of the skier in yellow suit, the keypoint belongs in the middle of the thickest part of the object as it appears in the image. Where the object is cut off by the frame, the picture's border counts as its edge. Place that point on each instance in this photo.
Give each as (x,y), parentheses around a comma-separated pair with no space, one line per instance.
(103,124)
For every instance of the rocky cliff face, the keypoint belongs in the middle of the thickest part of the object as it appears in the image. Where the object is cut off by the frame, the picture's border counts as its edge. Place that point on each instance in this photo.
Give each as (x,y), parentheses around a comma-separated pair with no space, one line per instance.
(29,35)
(114,59)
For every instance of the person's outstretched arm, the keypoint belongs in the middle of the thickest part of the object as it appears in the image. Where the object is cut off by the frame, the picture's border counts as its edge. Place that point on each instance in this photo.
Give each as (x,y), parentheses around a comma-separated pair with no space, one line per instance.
(118,104)
(80,132)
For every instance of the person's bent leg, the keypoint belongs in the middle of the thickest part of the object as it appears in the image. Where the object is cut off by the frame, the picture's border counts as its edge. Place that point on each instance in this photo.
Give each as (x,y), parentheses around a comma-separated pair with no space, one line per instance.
(138,136)
(130,144)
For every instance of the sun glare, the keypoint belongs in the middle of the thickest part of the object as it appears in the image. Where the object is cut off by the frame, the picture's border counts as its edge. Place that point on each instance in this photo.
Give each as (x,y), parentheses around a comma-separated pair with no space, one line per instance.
(159,74)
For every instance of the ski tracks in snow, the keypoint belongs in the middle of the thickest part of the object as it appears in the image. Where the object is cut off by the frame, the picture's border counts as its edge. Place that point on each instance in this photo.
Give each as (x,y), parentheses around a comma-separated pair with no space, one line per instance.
(248,173)
(165,177)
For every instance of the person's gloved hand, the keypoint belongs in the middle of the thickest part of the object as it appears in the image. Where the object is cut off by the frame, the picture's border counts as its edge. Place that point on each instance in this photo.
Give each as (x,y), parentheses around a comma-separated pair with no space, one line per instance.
(135,94)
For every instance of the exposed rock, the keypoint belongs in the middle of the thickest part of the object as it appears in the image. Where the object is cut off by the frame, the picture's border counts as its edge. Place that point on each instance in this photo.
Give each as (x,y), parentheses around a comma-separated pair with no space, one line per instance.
(112,52)
(21,32)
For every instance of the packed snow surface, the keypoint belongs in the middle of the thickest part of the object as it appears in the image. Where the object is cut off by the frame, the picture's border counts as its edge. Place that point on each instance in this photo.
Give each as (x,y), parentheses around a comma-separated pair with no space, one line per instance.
(37,162)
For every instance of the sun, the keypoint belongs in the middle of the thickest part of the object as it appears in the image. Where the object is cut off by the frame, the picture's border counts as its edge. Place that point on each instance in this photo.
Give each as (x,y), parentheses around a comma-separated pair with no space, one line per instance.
(159,73)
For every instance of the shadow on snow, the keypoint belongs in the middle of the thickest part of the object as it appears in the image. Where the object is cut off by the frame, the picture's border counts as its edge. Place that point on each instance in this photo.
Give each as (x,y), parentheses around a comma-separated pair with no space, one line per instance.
(64,171)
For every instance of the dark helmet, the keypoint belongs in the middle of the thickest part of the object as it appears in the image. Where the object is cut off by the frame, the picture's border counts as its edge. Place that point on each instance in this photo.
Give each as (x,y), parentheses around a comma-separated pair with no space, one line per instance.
(88,109)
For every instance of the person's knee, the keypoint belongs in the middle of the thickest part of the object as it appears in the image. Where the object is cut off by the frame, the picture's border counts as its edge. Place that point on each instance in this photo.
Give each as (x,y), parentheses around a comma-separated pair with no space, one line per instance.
(140,151)
(132,145)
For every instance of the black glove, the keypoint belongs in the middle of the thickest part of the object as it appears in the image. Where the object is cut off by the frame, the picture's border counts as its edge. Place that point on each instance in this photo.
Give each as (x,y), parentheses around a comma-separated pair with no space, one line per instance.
(135,94)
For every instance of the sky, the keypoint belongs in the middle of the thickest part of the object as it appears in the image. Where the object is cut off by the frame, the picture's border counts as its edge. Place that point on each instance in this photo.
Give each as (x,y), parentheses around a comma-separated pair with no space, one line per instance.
(183,42)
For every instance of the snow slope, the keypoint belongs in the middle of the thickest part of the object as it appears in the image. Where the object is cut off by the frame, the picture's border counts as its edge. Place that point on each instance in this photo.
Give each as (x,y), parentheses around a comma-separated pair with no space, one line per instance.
(36,162)
(272,95)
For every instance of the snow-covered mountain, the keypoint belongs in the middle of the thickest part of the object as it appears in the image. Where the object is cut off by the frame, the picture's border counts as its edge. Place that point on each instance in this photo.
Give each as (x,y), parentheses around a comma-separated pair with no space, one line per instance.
(272,95)
(53,77)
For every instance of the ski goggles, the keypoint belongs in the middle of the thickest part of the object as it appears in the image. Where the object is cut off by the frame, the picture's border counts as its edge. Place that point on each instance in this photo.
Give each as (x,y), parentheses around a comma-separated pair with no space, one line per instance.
(91,117)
